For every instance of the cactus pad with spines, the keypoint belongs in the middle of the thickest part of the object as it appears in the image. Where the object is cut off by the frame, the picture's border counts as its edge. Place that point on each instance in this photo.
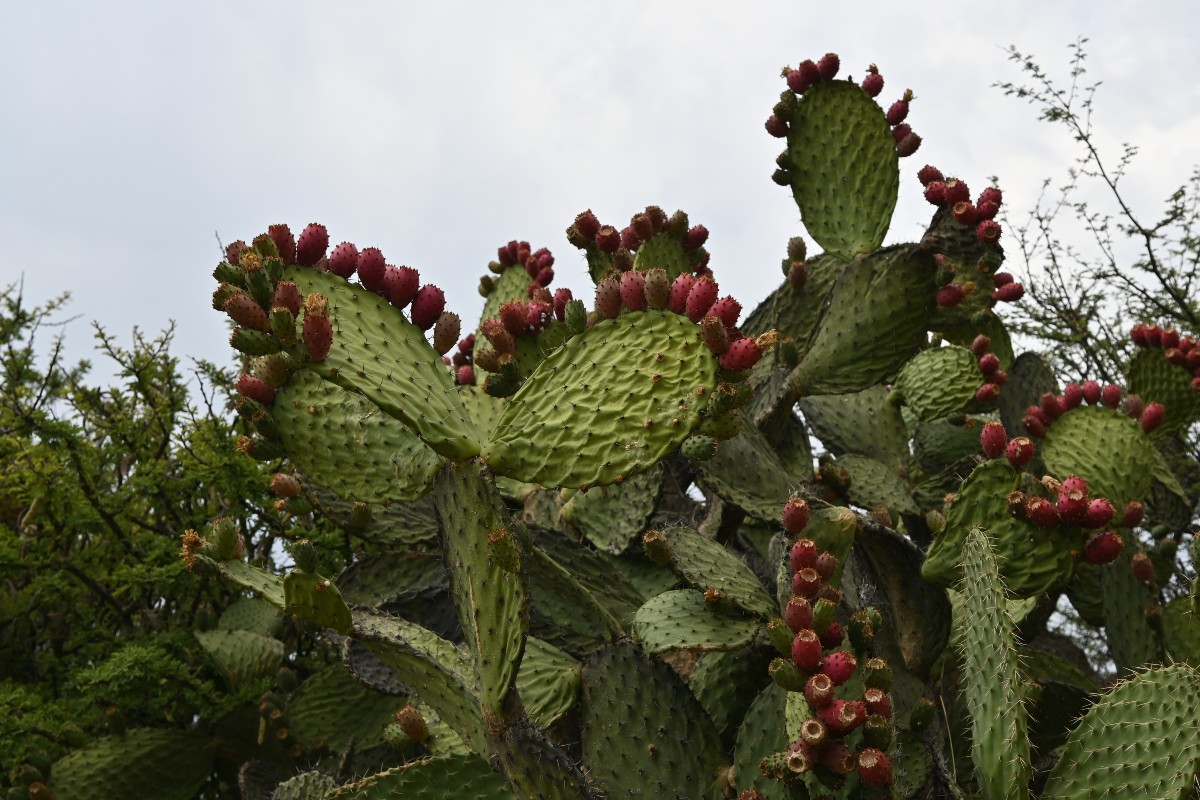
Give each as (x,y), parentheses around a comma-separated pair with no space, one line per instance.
(844,168)
(450,778)
(563,611)
(334,709)
(170,764)
(1029,378)
(939,382)
(609,403)
(315,598)
(873,484)
(380,354)
(860,422)
(242,655)
(548,682)
(662,251)
(680,620)
(747,473)
(1131,639)
(705,564)
(1104,447)
(612,516)
(1157,381)
(250,614)
(345,443)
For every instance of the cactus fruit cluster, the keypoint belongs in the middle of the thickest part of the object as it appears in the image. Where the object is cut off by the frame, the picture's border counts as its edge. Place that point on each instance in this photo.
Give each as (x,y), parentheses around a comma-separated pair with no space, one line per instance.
(570,578)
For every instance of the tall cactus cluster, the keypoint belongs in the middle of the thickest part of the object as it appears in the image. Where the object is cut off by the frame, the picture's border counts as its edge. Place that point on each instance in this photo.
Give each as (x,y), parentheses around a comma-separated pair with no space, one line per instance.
(595,554)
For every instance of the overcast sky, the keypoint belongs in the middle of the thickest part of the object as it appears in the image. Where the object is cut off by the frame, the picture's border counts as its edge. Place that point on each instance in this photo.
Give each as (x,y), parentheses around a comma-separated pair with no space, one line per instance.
(437,131)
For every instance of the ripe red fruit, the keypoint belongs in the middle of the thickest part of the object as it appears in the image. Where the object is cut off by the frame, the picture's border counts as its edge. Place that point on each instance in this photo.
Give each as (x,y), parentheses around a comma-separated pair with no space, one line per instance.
(680,289)
(798,613)
(989,363)
(427,306)
(1091,392)
(562,296)
(990,195)
(1103,547)
(317,331)
(1072,396)
(837,758)
(312,244)
(1134,406)
(988,231)
(1170,338)
(956,191)
(806,582)
(795,518)
(1099,513)
(255,389)
(1035,422)
(1072,505)
(832,636)
(608,238)
(987,209)
(633,290)
(935,192)
(819,691)
(842,716)
(287,295)
(950,295)
(608,298)
(587,225)
(774,125)
(400,285)
(806,651)
(874,768)
(728,310)
(980,345)
(897,112)
(1019,451)
(1050,406)
(1002,279)
(1041,512)
(839,666)
(826,565)
(1131,516)
(993,439)
(700,299)
(828,66)
(872,84)
(629,235)
(987,393)
(878,703)
(1154,336)
(695,237)
(741,355)
(1110,395)
(1142,568)
(371,267)
(928,174)
(1009,293)
(285,243)
(245,311)
(343,260)
(465,375)
(1152,417)
(964,212)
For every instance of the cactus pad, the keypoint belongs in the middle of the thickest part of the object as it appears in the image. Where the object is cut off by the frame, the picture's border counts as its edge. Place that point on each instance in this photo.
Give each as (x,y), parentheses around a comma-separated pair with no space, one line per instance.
(609,403)
(173,764)
(706,565)
(334,709)
(1106,448)
(452,778)
(612,516)
(876,485)
(317,599)
(747,473)
(940,381)
(680,620)
(548,682)
(1157,381)
(863,422)
(242,655)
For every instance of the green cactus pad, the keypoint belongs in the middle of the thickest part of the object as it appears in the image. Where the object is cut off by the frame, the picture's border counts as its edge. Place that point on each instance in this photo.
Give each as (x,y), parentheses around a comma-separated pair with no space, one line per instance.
(451,778)
(242,655)
(1157,381)
(662,251)
(1141,740)
(1181,631)
(761,734)
(833,528)
(726,684)
(876,485)
(491,600)
(612,516)
(167,763)
(746,473)
(946,443)
(1105,447)
(305,786)
(268,586)
(537,768)
(610,403)
(381,355)
(797,314)
(483,409)
(863,422)
(844,168)
(377,578)
(705,564)
(334,709)
(510,285)
(1065,693)
(874,322)
(250,614)
(563,611)
(609,580)
(314,598)
(1131,639)
(940,381)
(343,442)
(644,733)
(440,674)
(911,764)
(1032,559)
(1029,378)
(395,526)
(991,678)
(548,682)
(679,620)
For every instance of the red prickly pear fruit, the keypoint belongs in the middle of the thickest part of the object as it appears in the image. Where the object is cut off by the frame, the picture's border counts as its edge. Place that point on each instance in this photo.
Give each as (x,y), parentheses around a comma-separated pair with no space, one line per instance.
(874,767)
(245,311)
(714,334)
(806,582)
(1099,513)
(828,66)
(1050,406)
(1073,483)
(878,703)
(727,310)
(1103,548)
(837,758)
(608,239)
(819,691)
(400,285)
(956,191)
(285,243)
(695,238)
(809,74)
(1132,515)
(1019,451)
(777,127)
(896,113)
(798,613)
(371,269)
(950,295)
(900,131)
(1170,338)
(587,225)
(633,290)
(318,329)
(993,439)
(538,316)
(1072,396)
(987,393)
(312,244)
(427,306)
(1152,417)
(1154,336)
(873,83)
(642,228)
(287,295)
(908,145)
(343,260)
(512,316)
(1002,279)
(446,331)
(980,345)
(233,252)
(561,298)
(990,195)
(806,651)
(545,276)
(987,210)
(1072,506)
(465,375)
(1142,568)
(965,212)
(999,377)
(1091,392)
(1138,335)
(803,554)
(1041,512)
(700,299)
(935,193)
(826,565)
(608,298)
(1134,406)
(256,389)
(741,355)
(1110,395)
(658,288)
(839,666)
(988,231)
(988,364)
(928,174)
(1175,357)
(629,237)
(1034,424)
(680,290)
(843,716)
